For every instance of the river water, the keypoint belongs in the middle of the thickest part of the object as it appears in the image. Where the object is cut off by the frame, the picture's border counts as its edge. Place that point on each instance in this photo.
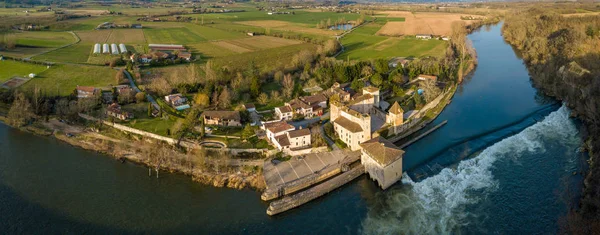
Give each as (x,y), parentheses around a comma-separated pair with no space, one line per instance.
(503,164)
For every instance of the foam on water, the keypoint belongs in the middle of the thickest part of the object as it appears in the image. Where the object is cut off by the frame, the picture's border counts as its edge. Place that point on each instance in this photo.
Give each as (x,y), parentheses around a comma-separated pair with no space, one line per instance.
(436,204)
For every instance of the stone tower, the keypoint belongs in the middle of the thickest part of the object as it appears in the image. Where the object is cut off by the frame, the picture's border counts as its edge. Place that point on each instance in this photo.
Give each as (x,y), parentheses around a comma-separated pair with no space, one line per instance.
(373,91)
(395,117)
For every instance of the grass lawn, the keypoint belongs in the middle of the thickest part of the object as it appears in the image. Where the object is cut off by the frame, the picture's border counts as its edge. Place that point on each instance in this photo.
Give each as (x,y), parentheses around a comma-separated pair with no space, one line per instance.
(362,44)
(172,35)
(63,79)
(44,39)
(212,33)
(9,68)
(77,53)
(266,60)
(299,16)
(147,123)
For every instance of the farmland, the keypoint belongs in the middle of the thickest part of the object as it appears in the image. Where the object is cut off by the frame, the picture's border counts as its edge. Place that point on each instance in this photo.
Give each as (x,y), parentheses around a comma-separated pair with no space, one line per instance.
(266,60)
(420,23)
(63,79)
(44,39)
(172,35)
(76,53)
(9,68)
(364,44)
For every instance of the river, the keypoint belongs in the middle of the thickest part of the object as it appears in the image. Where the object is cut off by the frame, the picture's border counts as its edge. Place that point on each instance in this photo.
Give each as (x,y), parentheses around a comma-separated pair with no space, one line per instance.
(504,163)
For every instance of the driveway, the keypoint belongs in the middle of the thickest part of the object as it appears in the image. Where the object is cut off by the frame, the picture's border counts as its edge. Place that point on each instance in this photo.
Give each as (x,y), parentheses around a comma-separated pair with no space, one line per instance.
(329,141)
(148,96)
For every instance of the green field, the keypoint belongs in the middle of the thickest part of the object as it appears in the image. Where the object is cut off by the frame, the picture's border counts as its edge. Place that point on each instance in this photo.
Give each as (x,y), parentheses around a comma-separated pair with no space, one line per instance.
(9,68)
(63,79)
(172,35)
(304,17)
(76,53)
(266,60)
(363,44)
(44,39)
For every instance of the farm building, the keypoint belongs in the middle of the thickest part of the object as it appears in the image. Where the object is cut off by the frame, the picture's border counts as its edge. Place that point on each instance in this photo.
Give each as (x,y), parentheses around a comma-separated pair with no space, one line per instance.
(115,49)
(97,48)
(105,48)
(122,48)
(423,36)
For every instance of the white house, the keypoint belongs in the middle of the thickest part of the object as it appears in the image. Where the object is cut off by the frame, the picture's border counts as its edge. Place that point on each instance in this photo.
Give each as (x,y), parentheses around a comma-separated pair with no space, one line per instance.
(295,139)
(284,113)
(275,129)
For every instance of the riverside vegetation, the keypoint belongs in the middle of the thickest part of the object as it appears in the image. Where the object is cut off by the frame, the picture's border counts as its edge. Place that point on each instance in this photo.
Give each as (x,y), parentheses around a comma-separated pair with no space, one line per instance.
(562,54)
(218,83)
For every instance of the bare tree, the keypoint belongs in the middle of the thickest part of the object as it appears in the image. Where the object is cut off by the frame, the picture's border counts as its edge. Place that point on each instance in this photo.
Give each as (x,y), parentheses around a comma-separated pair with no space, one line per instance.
(20,112)
(288,86)
(225,98)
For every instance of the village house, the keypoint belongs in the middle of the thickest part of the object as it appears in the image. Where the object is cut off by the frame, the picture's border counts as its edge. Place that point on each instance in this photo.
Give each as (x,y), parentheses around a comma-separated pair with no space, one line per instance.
(274,129)
(185,55)
(146,58)
(178,101)
(86,91)
(284,113)
(293,140)
(123,89)
(336,89)
(222,118)
(114,110)
(423,36)
(382,161)
(424,77)
(250,107)
(300,108)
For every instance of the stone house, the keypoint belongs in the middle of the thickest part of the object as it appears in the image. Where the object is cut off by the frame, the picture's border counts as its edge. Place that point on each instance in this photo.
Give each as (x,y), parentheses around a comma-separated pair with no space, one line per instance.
(86,91)
(382,161)
(222,118)
(114,110)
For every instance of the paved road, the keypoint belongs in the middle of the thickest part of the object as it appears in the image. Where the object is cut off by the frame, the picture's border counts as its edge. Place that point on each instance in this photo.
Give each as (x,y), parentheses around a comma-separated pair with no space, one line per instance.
(148,96)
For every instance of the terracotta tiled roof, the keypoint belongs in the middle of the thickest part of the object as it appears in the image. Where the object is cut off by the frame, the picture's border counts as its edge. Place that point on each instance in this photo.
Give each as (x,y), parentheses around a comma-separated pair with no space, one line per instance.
(299,132)
(382,150)
(371,89)
(283,140)
(348,125)
(90,89)
(396,109)
(285,109)
(314,99)
(361,98)
(277,127)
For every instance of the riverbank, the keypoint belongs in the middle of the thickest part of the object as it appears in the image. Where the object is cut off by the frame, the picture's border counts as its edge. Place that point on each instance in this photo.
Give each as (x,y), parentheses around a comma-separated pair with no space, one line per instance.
(565,67)
(208,167)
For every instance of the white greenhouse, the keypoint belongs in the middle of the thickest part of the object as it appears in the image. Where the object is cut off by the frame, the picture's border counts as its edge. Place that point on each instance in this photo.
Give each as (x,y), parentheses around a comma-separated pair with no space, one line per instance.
(114,48)
(105,48)
(97,48)
(122,48)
